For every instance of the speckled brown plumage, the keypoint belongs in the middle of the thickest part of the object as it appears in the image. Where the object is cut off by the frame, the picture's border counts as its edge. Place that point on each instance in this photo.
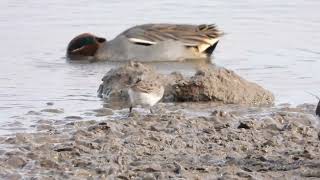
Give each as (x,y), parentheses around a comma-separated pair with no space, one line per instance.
(146,87)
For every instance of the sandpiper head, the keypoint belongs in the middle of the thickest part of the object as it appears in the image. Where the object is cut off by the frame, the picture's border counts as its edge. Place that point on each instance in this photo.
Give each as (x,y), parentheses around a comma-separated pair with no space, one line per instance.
(84,46)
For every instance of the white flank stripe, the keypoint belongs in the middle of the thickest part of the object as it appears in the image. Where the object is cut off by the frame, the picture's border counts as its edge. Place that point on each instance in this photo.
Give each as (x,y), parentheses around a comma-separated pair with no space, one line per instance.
(135,40)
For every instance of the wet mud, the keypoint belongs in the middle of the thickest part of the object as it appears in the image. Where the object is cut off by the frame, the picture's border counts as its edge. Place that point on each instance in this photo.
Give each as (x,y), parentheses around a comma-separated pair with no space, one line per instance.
(178,141)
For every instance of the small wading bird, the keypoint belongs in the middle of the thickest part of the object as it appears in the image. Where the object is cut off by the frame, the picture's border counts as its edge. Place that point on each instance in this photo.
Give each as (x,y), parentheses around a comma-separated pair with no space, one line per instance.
(318,106)
(145,93)
(149,42)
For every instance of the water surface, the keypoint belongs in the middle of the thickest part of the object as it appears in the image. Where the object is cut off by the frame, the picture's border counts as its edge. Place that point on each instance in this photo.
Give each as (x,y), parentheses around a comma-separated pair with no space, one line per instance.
(275,44)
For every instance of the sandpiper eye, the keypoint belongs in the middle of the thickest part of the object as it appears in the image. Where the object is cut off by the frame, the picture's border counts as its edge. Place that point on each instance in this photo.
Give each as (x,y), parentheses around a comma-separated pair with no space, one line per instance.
(138,80)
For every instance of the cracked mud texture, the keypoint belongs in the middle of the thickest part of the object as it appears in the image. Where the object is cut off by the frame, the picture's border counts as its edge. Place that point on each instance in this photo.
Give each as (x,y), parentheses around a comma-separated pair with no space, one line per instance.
(184,140)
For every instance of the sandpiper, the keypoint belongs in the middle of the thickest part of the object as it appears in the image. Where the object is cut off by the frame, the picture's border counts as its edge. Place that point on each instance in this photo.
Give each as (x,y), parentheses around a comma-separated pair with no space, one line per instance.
(145,93)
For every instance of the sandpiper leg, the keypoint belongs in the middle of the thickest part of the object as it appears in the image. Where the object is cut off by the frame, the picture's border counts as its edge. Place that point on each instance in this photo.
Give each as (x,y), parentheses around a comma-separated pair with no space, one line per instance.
(151,111)
(130,109)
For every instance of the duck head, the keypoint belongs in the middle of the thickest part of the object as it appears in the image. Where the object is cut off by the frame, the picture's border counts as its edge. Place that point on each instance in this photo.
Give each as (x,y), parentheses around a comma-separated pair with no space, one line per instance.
(84,46)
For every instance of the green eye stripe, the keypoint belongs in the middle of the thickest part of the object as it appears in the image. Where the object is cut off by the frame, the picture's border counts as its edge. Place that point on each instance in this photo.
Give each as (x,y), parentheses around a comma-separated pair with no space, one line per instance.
(87,41)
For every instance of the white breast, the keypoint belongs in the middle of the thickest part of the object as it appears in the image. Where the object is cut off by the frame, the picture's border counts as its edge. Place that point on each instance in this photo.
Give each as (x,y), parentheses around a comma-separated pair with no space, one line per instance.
(144,99)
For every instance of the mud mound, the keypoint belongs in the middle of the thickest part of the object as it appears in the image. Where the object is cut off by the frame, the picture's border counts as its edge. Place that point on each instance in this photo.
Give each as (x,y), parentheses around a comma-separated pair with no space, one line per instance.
(220,84)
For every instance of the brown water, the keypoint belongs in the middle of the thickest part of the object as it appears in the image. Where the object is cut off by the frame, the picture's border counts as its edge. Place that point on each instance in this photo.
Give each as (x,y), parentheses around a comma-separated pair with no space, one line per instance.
(275,44)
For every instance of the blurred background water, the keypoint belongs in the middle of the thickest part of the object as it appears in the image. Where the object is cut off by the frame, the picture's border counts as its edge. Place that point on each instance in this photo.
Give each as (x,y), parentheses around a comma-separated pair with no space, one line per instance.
(273,43)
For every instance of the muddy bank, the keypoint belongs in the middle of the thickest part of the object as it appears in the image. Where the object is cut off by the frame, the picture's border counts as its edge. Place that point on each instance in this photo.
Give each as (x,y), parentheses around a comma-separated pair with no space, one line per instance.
(210,83)
(188,141)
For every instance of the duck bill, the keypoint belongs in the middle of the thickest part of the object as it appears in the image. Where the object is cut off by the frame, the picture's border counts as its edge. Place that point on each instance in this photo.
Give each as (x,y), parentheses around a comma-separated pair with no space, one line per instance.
(101,53)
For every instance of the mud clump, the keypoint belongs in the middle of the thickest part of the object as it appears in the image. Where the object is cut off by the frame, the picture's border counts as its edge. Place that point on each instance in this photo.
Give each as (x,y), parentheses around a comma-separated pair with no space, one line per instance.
(208,84)
(219,84)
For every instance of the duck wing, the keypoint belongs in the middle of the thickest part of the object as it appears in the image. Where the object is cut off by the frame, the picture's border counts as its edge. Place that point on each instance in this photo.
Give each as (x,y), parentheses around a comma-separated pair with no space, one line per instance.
(199,36)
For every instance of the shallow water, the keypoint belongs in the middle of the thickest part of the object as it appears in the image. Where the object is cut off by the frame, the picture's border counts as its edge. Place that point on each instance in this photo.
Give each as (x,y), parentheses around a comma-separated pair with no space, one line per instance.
(275,44)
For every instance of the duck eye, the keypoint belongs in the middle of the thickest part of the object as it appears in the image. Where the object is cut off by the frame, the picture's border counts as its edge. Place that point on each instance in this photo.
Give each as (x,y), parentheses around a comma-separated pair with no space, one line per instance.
(100,40)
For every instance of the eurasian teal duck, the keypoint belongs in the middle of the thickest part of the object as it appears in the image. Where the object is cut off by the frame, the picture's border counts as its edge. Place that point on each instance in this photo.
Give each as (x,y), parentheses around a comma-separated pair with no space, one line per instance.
(149,42)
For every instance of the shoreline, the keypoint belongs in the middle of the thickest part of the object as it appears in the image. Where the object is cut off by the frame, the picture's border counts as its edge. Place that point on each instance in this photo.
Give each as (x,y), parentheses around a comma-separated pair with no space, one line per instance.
(216,141)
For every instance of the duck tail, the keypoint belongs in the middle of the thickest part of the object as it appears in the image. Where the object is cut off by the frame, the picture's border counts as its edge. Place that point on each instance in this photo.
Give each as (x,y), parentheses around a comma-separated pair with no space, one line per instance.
(210,49)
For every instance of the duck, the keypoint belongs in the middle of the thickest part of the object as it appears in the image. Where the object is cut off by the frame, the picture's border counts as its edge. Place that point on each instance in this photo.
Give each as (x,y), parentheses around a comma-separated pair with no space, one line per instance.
(149,42)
